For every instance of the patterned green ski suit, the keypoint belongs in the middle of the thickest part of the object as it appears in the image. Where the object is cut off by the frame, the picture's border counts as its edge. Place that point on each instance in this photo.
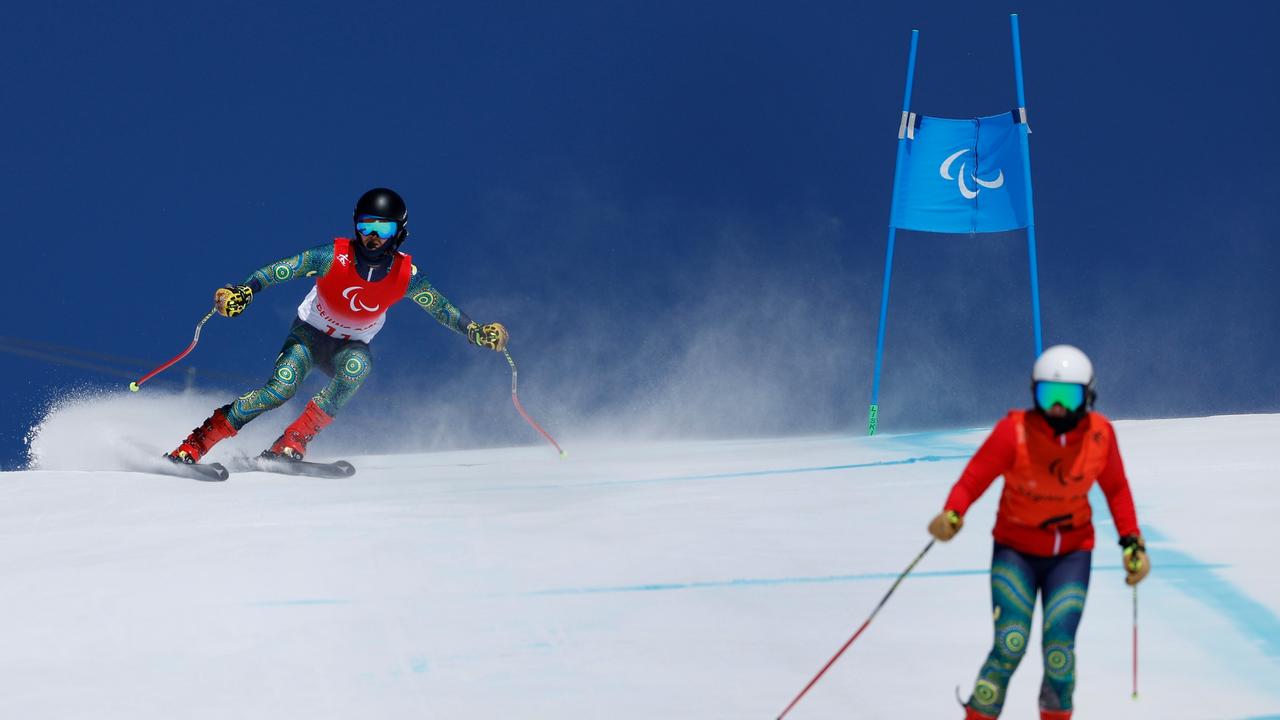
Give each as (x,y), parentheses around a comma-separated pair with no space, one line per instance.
(346,361)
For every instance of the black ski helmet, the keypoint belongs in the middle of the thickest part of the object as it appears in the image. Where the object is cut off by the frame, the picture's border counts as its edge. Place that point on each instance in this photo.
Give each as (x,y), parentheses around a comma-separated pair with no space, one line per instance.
(385,203)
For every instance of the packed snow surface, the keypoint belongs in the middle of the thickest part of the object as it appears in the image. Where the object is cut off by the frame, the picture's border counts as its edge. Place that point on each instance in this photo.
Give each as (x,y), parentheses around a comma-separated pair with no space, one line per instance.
(633,580)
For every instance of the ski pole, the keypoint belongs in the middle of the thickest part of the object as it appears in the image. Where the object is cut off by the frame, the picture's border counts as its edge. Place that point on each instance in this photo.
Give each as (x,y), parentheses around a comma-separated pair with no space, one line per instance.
(1135,642)
(855,635)
(516,400)
(133,386)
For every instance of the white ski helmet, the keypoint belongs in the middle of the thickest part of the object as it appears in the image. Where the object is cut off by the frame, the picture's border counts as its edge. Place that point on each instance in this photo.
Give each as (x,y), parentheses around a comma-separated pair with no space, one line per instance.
(1063,363)
(1066,364)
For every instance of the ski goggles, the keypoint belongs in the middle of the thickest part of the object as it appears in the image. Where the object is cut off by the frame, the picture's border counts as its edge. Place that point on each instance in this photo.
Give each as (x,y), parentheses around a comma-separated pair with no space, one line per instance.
(385,229)
(1068,395)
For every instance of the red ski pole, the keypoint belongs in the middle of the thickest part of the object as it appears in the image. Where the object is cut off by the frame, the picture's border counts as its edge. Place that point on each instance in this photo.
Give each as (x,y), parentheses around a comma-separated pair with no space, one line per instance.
(133,386)
(1135,642)
(844,647)
(516,400)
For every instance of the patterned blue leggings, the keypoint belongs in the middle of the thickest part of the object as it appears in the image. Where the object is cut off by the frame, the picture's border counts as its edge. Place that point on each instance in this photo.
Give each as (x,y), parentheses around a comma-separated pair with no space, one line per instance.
(348,362)
(1062,582)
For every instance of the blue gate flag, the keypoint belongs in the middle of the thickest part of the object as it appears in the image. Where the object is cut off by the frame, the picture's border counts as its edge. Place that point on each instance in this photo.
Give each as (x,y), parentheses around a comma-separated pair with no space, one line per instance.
(962,176)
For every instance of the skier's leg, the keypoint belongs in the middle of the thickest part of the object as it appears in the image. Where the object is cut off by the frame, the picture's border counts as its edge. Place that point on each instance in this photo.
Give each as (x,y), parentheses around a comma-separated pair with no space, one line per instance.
(292,365)
(1065,585)
(1013,596)
(216,427)
(351,366)
(296,358)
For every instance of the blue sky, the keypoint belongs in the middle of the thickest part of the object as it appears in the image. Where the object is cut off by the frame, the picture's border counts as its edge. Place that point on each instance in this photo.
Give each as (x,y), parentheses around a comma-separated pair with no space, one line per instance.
(678,209)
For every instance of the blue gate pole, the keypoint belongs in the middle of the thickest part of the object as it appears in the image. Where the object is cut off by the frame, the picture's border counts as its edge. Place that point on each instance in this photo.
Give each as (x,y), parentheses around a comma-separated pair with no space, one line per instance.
(904,129)
(1023,131)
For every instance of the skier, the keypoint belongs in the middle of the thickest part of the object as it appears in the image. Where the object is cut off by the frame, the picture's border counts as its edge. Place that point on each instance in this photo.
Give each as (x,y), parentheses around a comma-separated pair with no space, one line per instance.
(356,283)
(1050,456)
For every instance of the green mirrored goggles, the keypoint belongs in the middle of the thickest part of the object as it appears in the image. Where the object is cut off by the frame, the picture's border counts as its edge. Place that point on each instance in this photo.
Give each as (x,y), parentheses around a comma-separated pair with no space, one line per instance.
(1068,395)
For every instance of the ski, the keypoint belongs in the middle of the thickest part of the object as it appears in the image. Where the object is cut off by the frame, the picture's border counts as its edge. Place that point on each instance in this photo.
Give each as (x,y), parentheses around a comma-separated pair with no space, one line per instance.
(267,463)
(209,472)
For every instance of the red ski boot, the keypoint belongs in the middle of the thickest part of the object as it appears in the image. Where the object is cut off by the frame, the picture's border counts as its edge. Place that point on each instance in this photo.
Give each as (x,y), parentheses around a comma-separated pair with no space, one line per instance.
(216,427)
(1055,714)
(292,445)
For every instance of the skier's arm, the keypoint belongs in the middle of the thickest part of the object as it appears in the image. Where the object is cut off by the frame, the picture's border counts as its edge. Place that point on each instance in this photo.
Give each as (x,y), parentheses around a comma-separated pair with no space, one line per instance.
(1115,485)
(492,335)
(991,461)
(231,300)
(438,306)
(309,263)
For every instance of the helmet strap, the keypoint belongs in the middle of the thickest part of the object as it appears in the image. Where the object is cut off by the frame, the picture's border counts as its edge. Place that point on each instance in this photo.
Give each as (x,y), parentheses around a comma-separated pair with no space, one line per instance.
(393,245)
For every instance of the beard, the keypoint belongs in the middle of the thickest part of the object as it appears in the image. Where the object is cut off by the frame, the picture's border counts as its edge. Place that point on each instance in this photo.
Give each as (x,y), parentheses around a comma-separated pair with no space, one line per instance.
(1066,423)
(372,255)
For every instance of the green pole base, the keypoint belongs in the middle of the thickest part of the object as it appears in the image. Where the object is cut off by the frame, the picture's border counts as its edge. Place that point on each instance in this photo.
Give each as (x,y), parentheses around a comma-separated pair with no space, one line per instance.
(871,419)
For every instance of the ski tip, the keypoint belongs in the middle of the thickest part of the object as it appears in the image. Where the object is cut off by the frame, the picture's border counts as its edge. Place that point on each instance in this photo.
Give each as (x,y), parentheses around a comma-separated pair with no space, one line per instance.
(210,472)
(275,464)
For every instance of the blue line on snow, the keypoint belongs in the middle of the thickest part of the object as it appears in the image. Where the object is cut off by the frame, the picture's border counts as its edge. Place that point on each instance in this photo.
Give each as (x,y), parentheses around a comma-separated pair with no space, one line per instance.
(938,440)
(741,474)
(758,582)
(296,603)
(793,471)
(1253,619)
(1255,622)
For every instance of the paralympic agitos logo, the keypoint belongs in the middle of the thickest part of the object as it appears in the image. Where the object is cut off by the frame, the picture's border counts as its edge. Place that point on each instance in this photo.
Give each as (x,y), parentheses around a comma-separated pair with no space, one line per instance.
(945,171)
(1055,468)
(353,295)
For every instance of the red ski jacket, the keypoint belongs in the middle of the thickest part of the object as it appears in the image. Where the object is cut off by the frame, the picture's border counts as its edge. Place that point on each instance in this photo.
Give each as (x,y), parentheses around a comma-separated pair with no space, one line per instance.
(1044,508)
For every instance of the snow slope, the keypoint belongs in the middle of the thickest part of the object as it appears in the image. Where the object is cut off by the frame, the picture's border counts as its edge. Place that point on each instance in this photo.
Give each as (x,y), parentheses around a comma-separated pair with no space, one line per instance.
(638,580)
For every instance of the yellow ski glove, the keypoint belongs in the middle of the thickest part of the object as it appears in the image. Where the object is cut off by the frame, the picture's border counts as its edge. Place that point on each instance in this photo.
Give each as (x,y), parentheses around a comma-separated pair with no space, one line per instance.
(493,336)
(1136,563)
(946,525)
(231,300)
